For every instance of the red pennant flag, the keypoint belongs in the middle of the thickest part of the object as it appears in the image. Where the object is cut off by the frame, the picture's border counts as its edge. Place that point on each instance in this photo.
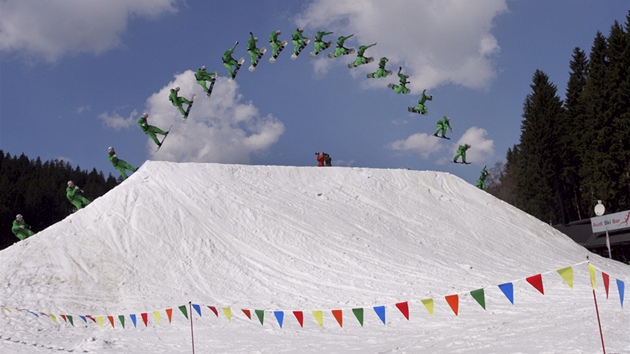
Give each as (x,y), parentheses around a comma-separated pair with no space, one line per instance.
(64,317)
(300,317)
(111,320)
(169,314)
(247,313)
(536,282)
(338,316)
(404,308)
(606,282)
(90,317)
(145,319)
(214,309)
(453,302)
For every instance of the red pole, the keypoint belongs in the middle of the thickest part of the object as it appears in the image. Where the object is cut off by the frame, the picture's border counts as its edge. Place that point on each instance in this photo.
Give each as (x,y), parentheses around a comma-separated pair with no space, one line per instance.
(599,322)
(192,333)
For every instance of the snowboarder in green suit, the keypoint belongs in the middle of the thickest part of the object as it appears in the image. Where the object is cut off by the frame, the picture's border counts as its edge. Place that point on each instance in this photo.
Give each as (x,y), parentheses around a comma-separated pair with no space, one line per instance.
(275,43)
(178,101)
(442,125)
(299,40)
(74,196)
(421,107)
(121,165)
(228,61)
(319,42)
(202,76)
(150,130)
(481,184)
(21,229)
(340,49)
(402,86)
(252,50)
(361,59)
(380,72)
(461,151)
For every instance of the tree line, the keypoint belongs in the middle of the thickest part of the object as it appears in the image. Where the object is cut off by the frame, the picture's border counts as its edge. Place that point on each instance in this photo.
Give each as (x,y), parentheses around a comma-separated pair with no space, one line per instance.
(37,190)
(575,152)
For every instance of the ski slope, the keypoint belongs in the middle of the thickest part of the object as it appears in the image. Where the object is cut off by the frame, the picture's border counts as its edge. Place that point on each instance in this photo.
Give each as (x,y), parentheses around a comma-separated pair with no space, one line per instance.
(281,239)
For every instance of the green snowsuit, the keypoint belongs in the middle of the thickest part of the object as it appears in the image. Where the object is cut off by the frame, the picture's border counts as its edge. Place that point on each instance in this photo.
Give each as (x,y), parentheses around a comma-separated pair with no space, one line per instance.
(319,42)
(178,101)
(421,108)
(121,165)
(150,130)
(75,198)
(442,125)
(340,49)
(461,151)
(275,43)
(481,184)
(21,229)
(298,40)
(360,60)
(202,76)
(253,52)
(228,61)
(381,72)
(401,87)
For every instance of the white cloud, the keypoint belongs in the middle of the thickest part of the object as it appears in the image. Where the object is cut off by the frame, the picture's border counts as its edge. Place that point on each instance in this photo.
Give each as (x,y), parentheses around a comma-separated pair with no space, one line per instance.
(223,129)
(423,144)
(117,121)
(53,28)
(435,41)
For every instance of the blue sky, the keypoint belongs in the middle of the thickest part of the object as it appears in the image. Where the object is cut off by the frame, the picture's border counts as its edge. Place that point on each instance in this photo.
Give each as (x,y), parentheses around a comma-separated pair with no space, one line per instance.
(75,78)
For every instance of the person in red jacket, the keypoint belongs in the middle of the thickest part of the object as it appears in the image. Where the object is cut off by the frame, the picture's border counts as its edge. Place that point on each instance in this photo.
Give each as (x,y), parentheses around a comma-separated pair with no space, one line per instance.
(320,158)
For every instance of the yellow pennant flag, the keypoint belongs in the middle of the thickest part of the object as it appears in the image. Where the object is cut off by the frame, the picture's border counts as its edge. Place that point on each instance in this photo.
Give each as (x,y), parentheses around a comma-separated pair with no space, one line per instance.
(228,313)
(99,319)
(6,308)
(591,269)
(53,317)
(567,275)
(319,317)
(428,303)
(157,316)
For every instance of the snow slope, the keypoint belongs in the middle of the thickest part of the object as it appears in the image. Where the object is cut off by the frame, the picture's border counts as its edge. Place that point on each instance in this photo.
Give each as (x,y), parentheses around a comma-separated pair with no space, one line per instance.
(307,239)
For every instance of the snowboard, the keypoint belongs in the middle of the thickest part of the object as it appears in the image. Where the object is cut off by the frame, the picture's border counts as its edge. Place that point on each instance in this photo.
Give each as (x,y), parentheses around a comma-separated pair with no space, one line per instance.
(371,75)
(332,55)
(411,110)
(240,63)
(212,85)
(273,58)
(463,163)
(369,60)
(253,66)
(164,138)
(313,54)
(192,100)
(295,55)
(441,137)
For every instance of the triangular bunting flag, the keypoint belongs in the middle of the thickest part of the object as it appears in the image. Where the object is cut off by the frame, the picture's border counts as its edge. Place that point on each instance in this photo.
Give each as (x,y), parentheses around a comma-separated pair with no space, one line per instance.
(99,319)
(428,303)
(90,317)
(169,314)
(261,315)
(319,317)
(480,296)
(606,279)
(64,318)
(453,302)
(620,287)
(214,310)
(380,311)
(300,317)
(133,319)
(591,270)
(279,317)
(508,291)
(156,314)
(184,310)
(247,313)
(121,318)
(197,309)
(228,313)
(567,275)
(111,320)
(36,315)
(84,319)
(69,320)
(404,308)
(53,317)
(338,315)
(536,282)
(358,313)
(145,319)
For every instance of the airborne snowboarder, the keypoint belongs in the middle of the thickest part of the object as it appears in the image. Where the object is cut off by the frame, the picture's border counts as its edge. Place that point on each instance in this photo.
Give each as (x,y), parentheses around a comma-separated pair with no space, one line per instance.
(361,59)
(442,125)
(276,45)
(402,86)
(299,42)
(461,151)
(202,77)
(380,72)
(72,193)
(121,165)
(340,49)
(229,62)
(319,43)
(179,101)
(150,130)
(421,107)
(481,184)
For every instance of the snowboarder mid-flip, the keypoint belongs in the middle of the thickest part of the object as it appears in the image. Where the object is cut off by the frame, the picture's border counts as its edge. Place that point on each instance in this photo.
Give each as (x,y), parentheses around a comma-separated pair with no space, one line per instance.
(121,165)
(319,43)
(442,125)
(150,130)
(178,101)
(340,49)
(380,72)
(421,107)
(481,184)
(402,86)
(202,77)
(252,50)
(230,62)
(74,196)
(275,43)
(361,59)
(21,229)
(461,151)
(299,41)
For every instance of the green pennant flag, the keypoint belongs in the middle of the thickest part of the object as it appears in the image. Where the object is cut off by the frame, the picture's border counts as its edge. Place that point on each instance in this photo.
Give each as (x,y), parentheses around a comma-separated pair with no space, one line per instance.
(358,313)
(121,318)
(261,315)
(479,296)
(70,320)
(184,311)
